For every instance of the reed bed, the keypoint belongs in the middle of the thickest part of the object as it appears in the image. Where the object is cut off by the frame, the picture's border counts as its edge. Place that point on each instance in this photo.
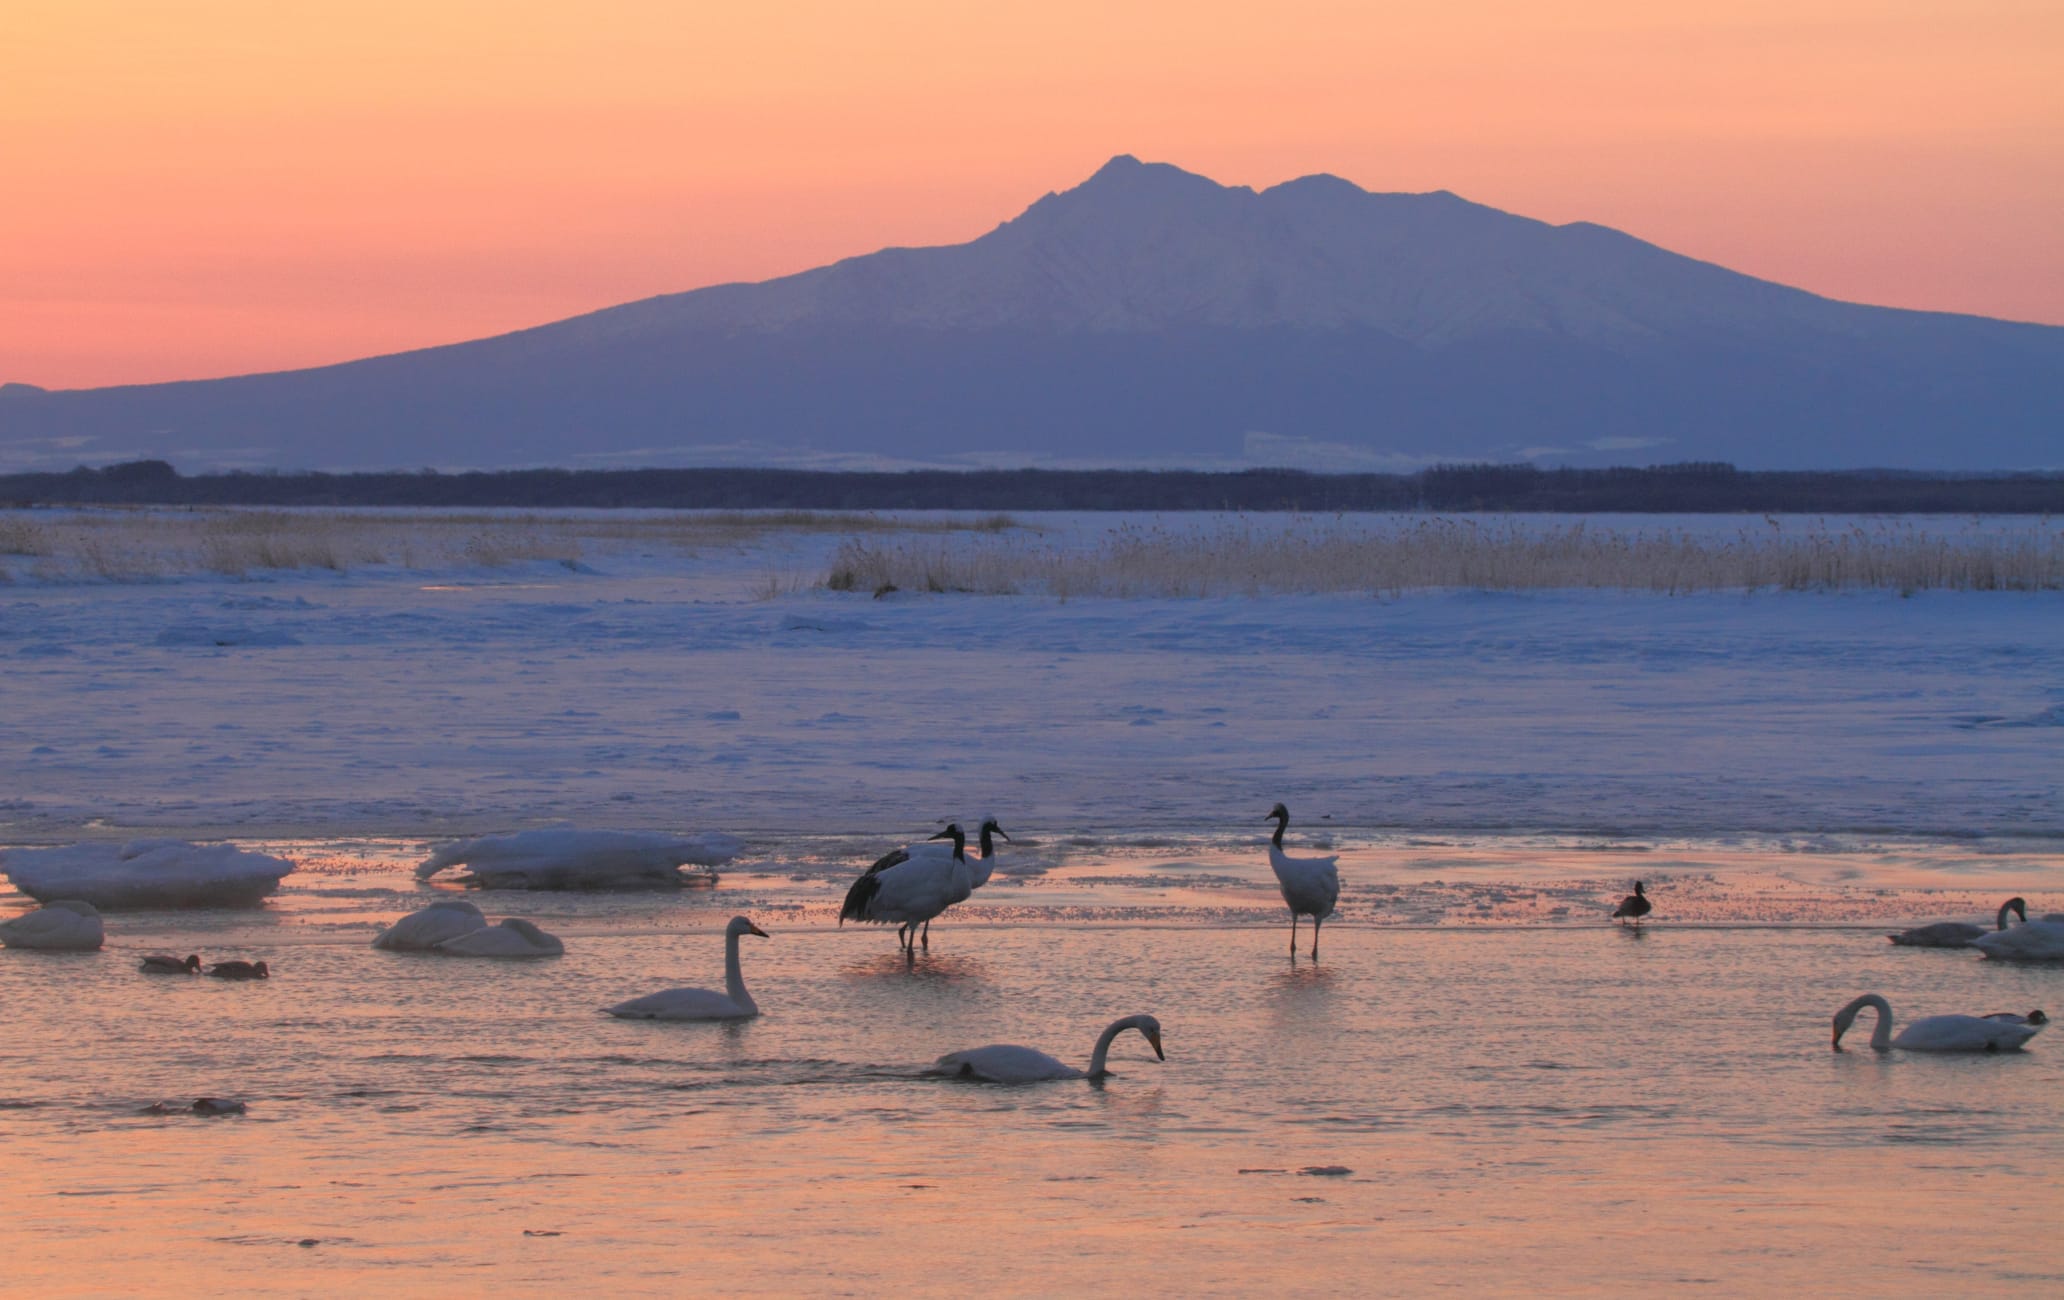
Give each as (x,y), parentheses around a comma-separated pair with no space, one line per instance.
(146,546)
(1327,556)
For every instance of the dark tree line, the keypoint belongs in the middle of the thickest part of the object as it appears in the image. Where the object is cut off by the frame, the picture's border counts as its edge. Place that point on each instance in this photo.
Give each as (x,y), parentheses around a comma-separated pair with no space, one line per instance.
(1688,488)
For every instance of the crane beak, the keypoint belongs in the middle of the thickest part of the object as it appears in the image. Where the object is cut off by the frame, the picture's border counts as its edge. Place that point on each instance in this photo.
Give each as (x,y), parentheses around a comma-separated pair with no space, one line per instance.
(758,931)
(1006,834)
(942,835)
(1155,1039)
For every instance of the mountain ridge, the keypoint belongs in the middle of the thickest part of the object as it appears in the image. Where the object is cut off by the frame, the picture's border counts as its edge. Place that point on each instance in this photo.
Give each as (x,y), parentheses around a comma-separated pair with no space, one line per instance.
(1152,315)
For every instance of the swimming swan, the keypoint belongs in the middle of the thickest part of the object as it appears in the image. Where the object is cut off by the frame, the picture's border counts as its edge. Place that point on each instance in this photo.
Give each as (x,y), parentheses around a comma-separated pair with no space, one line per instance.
(1957,934)
(1009,1063)
(1311,886)
(1940,1033)
(734,1003)
(63,926)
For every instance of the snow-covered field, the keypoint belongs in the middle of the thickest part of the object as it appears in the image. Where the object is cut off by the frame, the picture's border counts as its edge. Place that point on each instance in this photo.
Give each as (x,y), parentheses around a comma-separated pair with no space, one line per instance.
(713,684)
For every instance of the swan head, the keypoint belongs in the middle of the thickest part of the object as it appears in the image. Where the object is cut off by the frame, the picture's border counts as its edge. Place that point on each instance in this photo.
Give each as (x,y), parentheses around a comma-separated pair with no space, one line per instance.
(1150,1029)
(741,925)
(2019,907)
(1277,813)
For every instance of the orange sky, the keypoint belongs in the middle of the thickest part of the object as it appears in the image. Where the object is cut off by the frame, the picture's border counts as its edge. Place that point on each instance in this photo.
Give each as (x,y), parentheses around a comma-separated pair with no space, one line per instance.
(222,186)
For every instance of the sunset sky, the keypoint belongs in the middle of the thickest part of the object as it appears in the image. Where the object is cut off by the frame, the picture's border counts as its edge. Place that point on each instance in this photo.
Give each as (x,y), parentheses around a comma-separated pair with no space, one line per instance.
(223,186)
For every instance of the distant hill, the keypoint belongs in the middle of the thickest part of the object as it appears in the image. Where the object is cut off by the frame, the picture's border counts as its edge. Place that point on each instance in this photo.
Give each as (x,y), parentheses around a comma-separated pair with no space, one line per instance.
(1153,317)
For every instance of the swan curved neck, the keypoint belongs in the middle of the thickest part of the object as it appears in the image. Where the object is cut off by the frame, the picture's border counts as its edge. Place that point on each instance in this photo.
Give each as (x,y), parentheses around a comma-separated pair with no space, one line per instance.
(2006,909)
(1881,1033)
(734,981)
(1103,1047)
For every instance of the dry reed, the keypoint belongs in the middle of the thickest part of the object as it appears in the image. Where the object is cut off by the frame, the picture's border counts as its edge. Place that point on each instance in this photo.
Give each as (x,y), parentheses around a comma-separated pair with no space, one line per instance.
(116,545)
(1316,557)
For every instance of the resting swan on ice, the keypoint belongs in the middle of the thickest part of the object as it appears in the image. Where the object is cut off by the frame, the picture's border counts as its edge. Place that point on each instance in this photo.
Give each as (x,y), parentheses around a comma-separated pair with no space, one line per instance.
(1010,1063)
(1958,934)
(66,925)
(513,939)
(2038,941)
(422,931)
(734,1003)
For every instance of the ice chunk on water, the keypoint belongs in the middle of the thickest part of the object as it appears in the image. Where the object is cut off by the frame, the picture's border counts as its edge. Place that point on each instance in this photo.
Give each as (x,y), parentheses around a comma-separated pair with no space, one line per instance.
(146,873)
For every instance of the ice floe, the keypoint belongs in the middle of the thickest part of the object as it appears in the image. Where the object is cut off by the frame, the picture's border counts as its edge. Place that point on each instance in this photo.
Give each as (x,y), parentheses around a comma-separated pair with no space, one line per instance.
(566,858)
(146,873)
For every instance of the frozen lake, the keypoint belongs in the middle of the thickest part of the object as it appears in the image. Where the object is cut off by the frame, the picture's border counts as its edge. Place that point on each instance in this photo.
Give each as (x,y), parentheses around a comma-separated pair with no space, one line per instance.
(1519,1095)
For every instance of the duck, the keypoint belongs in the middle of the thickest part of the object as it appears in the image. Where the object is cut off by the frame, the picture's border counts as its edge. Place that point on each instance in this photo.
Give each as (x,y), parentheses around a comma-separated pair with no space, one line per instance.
(2038,941)
(513,939)
(1634,905)
(159,964)
(240,970)
(1011,1063)
(2001,1032)
(734,1003)
(66,925)
(1958,934)
(420,931)
(909,889)
(1311,886)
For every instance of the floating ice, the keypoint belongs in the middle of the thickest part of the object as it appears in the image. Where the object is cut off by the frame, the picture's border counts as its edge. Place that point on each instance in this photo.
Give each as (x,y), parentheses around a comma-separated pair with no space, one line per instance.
(146,873)
(565,858)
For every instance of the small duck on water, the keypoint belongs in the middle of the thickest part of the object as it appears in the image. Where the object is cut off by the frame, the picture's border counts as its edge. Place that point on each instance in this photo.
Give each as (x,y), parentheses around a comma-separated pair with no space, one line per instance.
(240,970)
(159,964)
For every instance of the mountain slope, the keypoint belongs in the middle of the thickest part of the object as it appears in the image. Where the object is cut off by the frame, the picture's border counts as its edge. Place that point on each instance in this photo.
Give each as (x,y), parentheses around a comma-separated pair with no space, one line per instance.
(1153,316)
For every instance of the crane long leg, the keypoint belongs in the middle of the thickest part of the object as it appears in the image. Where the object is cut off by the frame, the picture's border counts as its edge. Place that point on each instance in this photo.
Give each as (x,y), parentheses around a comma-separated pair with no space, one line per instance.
(1293,934)
(928,936)
(1315,938)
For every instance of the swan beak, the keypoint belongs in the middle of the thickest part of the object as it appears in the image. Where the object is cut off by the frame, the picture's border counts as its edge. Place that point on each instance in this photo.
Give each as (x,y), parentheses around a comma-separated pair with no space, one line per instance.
(754,929)
(1837,1043)
(1155,1039)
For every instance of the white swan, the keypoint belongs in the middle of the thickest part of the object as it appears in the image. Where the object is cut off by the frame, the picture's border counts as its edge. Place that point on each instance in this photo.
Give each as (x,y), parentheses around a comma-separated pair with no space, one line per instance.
(734,1003)
(2037,941)
(1957,934)
(513,939)
(908,890)
(156,964)
(1010,1063)
(1940,1033)
(1311,886)
(66,925)
(422,931)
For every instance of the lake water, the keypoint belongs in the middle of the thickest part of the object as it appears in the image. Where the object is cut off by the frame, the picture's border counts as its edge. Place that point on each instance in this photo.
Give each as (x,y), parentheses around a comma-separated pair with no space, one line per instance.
(1471,1089)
